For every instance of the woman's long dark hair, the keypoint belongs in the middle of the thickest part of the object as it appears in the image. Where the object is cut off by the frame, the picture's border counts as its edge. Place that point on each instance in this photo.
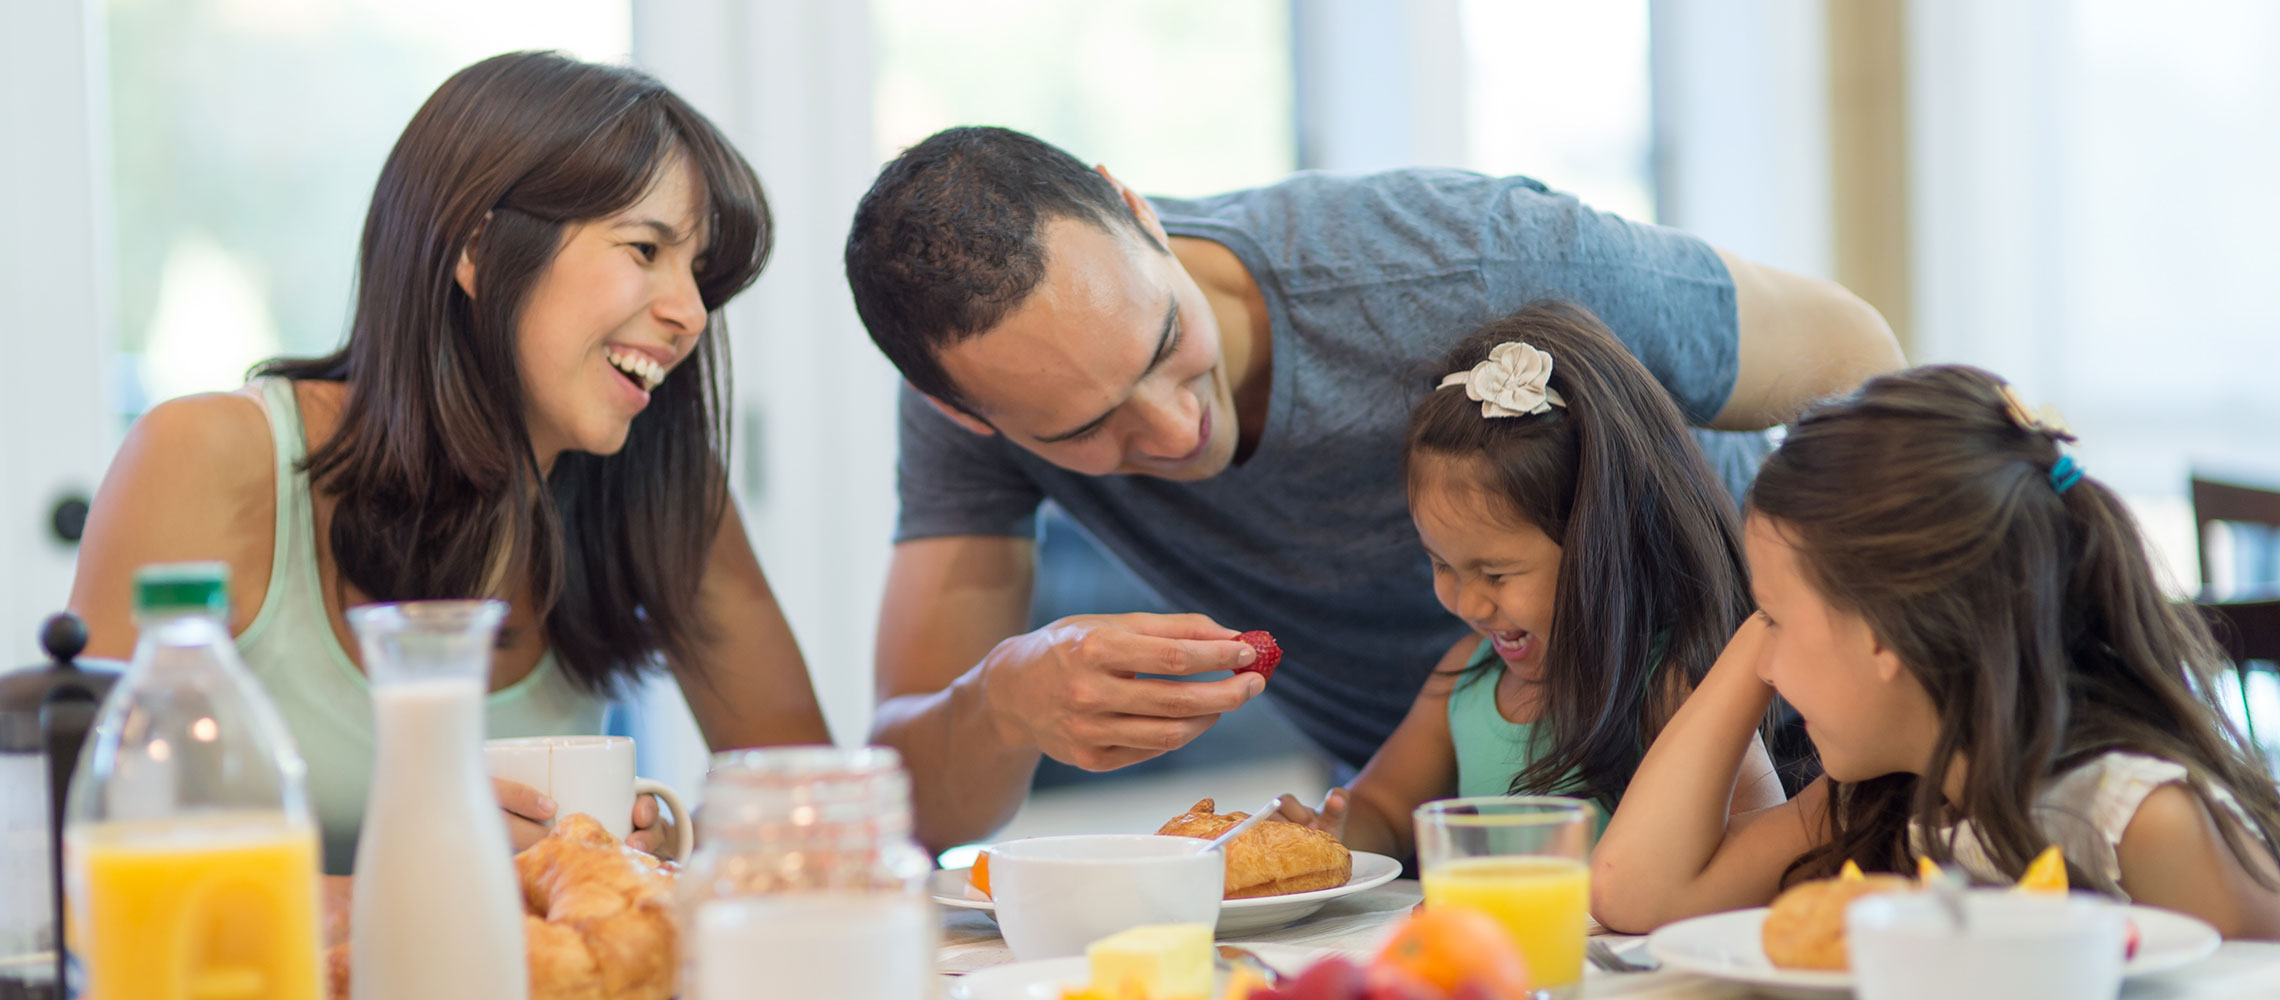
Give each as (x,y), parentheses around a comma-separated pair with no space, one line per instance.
(1649,546)
(432,469)
(2030,615)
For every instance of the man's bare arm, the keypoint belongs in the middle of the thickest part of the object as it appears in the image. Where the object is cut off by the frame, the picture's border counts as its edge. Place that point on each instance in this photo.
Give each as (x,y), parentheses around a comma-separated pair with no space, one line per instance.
(1802,339)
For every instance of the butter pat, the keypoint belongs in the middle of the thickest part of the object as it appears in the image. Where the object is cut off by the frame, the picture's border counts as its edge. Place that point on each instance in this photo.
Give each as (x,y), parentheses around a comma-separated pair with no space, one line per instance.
(1156,962)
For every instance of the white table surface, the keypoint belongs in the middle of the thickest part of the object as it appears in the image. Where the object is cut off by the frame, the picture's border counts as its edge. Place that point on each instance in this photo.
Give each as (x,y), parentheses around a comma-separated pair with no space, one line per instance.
(2242,970)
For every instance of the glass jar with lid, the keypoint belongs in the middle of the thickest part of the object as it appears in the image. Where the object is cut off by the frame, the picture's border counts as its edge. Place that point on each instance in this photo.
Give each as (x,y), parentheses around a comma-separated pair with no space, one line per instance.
(806,881)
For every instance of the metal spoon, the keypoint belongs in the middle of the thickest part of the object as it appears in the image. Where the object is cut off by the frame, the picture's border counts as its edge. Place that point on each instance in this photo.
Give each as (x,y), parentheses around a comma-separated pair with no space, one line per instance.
(1221,841)
(1604,956)
(1232,955)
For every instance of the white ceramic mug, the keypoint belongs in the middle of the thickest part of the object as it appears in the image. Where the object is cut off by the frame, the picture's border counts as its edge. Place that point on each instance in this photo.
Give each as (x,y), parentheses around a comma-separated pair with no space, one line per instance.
(2014,946)
(1055,895)
(587,774)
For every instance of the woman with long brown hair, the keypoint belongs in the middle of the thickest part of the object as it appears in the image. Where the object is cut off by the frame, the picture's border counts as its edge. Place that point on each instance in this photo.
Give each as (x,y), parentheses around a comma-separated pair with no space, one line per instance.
(1971,629)
(529,406)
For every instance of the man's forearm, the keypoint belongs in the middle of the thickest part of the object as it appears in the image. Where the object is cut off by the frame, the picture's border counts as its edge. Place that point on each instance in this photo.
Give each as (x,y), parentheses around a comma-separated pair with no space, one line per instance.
(966,782)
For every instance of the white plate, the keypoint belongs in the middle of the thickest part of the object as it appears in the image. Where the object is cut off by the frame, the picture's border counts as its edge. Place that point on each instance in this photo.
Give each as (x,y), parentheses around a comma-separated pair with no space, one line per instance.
(1047,979)
(952,888)
(1726,946)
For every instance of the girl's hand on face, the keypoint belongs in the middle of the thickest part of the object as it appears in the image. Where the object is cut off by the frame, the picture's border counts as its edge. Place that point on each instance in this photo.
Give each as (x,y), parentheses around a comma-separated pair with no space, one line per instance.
(527,812)
(651,830)
(1330,819)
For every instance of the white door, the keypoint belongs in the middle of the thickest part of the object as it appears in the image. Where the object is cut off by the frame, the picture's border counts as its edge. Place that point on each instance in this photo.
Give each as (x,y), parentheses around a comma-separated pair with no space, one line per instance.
(55,435)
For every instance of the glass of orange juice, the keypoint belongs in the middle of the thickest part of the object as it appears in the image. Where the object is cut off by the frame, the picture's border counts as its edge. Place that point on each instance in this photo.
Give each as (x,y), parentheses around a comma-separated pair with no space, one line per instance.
(1522,860)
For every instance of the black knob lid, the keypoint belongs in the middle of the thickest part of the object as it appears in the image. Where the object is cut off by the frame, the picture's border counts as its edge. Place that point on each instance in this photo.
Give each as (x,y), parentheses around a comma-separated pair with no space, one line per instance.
(69,519)
(63,635)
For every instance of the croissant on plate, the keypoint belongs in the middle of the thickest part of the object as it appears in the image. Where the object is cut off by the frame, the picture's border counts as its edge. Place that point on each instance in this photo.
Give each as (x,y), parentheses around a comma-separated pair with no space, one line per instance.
(1274,858)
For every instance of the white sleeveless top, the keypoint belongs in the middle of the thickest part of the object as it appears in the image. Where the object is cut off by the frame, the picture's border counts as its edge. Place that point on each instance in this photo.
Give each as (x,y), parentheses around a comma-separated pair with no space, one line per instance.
(2084,812)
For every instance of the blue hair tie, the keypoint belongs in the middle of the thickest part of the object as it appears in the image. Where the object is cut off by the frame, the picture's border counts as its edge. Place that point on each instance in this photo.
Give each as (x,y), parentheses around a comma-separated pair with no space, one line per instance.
(2065,473)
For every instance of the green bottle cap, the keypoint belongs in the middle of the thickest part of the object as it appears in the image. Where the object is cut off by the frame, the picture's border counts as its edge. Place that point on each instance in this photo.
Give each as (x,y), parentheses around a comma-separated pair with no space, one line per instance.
(190,586)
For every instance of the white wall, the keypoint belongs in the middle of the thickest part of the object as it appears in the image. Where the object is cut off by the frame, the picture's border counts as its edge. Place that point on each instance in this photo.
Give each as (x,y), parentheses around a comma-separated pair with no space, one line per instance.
(790,82)
(55,433)
(1984,170)
(1741,128)
(1380,83)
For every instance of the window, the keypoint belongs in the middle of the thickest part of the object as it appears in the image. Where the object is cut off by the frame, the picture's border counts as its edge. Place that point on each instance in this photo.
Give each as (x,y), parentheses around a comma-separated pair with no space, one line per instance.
(245,138)
(2163,234)
(1177,97)
(1561,92)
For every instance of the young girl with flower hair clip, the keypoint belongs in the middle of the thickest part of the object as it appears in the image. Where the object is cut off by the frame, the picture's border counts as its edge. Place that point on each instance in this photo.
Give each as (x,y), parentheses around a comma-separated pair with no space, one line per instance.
(1572,522)
(1973,634)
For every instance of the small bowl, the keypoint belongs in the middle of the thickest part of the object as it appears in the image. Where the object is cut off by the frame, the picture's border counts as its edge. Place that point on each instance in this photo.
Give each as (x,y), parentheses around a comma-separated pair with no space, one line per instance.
(2014,945)
(1055,895)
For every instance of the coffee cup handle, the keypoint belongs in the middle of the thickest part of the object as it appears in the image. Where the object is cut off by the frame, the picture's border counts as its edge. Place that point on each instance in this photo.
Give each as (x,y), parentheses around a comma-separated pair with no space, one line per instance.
(684,831)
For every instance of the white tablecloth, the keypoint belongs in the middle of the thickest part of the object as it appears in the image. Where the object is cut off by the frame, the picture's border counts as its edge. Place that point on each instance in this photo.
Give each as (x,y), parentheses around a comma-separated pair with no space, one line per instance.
(2242,970)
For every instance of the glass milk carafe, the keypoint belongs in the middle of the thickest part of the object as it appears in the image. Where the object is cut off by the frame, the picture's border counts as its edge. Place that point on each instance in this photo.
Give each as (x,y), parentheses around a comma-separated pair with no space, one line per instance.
(437,910)
(191,853)
(805,881)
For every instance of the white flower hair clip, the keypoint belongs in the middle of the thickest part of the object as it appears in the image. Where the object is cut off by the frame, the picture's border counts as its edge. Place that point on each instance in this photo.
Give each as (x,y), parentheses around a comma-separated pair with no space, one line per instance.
(1515,381)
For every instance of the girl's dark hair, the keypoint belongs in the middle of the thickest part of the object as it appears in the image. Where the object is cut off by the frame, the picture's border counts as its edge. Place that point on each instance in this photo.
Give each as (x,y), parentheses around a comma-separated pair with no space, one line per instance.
(432,468)
(2031,616)
(1650,551)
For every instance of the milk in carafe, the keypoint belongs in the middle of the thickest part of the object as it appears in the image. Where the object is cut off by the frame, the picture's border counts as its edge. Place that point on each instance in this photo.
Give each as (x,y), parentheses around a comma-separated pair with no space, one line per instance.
(437,910)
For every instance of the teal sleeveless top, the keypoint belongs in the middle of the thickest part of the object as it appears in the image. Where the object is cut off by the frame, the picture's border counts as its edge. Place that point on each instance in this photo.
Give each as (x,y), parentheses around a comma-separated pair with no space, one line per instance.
(319,691)
(1491,748)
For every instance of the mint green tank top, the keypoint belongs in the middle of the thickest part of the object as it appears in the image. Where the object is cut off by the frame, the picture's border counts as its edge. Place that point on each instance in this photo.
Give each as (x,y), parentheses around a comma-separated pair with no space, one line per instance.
(292,650)
(1491,748)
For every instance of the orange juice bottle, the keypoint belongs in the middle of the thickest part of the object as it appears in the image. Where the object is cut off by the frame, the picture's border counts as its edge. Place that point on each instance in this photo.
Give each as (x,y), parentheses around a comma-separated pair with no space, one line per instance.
(190,853)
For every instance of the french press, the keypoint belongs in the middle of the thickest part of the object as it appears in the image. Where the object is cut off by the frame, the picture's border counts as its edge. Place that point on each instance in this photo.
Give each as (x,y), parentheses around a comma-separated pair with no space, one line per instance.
(45,712)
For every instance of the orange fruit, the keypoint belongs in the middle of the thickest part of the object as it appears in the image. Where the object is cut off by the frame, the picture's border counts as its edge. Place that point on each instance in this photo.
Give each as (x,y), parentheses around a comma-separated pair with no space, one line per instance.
(979,875)
(2046,873)
(1449,946)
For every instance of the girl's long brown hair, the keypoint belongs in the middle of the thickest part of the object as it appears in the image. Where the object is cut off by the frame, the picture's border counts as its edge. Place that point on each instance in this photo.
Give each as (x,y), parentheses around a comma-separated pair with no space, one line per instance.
(1649,545)
(432,468)
(2030,616)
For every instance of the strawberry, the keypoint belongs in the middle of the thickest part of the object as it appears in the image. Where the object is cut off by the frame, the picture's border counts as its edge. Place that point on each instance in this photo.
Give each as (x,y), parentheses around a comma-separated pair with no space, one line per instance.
(1269,654)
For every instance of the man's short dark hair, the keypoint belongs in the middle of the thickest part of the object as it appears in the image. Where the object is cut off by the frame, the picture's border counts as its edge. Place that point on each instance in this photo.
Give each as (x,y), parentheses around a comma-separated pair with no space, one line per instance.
(947,241)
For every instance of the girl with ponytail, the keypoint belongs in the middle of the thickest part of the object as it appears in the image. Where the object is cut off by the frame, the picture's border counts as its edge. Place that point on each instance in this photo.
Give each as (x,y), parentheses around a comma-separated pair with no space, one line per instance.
(1971,630)
(1572,522)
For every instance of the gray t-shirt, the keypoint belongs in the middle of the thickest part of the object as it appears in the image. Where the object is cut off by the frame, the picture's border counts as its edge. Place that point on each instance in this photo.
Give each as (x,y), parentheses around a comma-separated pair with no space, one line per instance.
(1368,281)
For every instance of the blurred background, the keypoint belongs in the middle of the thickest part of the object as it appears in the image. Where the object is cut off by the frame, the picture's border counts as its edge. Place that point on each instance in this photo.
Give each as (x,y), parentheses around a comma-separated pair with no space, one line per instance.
(2077,194)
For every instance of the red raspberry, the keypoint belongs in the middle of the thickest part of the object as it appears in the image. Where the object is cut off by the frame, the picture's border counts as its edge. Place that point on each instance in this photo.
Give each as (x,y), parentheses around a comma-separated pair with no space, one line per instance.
(1269,654)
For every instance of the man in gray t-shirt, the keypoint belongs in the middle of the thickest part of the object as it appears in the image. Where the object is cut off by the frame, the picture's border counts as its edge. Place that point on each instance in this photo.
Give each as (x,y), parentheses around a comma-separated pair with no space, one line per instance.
(1218,390)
